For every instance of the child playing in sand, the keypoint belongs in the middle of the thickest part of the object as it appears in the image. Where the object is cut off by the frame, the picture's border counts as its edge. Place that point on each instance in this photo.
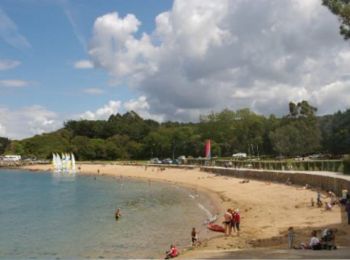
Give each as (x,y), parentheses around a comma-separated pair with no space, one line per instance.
(173,252)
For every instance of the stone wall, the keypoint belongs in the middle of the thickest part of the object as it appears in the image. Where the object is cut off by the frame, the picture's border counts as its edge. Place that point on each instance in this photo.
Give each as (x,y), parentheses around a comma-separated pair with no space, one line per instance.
(335,184)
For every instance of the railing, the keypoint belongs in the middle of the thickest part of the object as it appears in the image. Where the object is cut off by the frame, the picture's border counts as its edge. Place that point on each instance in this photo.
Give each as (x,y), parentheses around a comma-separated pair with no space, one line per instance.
(285,165)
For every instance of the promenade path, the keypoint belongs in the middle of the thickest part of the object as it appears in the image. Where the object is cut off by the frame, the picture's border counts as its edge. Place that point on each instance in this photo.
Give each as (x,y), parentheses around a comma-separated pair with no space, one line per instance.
(320,173)
(270,253)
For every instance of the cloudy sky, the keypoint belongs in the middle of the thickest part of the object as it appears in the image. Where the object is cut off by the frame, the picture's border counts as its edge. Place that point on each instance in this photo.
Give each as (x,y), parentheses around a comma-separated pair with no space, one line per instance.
(167,60)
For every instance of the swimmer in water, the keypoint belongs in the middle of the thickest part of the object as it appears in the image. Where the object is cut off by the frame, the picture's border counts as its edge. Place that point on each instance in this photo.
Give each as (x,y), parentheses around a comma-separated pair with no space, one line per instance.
(117,214)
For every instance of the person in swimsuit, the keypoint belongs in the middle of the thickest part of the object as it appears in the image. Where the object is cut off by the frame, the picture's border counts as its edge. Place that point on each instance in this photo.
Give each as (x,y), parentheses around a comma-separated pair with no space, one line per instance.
(227,222)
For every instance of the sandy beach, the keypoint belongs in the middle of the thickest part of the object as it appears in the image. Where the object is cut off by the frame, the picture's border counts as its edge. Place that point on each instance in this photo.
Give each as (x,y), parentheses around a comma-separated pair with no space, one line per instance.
(267,209)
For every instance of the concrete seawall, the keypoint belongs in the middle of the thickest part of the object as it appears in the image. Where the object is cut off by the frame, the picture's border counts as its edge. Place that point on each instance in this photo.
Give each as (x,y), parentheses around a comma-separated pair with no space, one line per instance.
(324,181)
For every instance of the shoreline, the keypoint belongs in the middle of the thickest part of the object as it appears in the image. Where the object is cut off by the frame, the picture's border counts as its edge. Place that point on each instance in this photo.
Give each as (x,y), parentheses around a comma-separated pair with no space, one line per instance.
(267,209)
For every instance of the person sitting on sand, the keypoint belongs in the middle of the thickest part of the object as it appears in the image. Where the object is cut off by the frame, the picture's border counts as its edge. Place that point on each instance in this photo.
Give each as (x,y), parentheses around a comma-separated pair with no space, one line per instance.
(173,252)
(314,243)
(227,222)
(328,206)
(117,214)
(194,236)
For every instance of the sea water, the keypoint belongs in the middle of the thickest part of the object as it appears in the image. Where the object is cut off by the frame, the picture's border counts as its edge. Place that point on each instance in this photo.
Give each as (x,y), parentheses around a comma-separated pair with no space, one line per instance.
(44,217)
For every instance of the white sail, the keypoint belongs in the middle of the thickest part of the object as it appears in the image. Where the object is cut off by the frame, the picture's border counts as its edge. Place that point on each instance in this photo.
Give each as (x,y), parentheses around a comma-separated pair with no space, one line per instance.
(73,163)
(54,165)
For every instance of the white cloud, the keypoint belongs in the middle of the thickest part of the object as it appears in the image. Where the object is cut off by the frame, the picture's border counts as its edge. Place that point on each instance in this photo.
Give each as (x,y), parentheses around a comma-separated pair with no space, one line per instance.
(93,91)
(9,64)
(139,105)
(142,107)
(13,83)
(10,34)
(83,64)
(206,55)
(102,113)
(2,130)
(27,121)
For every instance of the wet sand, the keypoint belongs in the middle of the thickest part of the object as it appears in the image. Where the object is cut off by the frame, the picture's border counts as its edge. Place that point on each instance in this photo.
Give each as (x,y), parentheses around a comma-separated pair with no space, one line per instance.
(267,209)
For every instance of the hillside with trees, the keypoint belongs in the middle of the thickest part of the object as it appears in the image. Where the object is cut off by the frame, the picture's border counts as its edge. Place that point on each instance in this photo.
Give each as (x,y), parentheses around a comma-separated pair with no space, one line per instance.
(129,136)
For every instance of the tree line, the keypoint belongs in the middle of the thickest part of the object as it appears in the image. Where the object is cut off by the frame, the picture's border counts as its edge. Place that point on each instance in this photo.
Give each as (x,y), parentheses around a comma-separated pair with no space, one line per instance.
(129,136)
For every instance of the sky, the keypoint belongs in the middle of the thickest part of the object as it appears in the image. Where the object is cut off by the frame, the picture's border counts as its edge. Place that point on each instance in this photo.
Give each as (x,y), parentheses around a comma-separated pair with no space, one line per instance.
(166,60)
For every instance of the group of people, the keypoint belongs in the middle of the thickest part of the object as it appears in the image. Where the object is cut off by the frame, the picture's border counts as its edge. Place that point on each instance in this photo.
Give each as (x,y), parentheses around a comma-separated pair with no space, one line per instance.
(327,240)
(232,219)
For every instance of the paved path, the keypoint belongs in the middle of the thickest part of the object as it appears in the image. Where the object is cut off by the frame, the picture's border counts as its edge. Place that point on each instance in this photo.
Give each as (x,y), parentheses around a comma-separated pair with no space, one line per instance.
(321,173)
(342,253)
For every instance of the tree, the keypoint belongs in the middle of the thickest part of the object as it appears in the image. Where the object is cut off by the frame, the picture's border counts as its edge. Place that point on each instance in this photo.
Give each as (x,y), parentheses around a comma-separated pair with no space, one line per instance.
(298,132)
(4,142)
(340,8)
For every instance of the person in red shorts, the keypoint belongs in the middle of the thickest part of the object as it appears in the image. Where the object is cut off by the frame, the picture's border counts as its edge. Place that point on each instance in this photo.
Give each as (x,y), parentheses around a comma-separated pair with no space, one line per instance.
(173,252)
(237,220)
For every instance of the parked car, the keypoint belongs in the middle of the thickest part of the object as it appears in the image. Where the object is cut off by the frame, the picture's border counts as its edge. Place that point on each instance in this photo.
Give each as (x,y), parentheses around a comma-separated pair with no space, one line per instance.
(167,161)
(155,161)
(239,155)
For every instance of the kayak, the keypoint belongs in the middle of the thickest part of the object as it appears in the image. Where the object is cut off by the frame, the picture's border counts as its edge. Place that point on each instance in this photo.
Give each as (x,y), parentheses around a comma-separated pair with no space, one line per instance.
(216,228)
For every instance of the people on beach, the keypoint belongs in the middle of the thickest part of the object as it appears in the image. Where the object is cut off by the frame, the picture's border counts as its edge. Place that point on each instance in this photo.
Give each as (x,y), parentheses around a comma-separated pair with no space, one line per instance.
(314,243)
(347,209)
(333,197)
(319,201)
(291,236)
(117,214)
(173,252)
(227,222)
(328,239)
(236,219)
(194,236)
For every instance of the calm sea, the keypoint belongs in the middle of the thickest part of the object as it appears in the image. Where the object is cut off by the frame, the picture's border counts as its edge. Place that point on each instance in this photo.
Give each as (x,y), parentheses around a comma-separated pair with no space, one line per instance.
(43,217)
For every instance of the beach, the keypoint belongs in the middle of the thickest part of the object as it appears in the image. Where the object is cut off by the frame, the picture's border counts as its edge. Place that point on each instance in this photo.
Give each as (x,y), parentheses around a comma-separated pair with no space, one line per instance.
(267,209)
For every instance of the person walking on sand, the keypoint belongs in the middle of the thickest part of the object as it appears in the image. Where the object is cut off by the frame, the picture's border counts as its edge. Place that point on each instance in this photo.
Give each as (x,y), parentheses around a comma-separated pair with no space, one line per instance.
(227,222)
(291,236)
(319,202)
(194,236)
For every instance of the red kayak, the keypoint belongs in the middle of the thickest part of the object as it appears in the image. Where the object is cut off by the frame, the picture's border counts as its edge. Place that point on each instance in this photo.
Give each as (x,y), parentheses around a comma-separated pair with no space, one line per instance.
(216,228)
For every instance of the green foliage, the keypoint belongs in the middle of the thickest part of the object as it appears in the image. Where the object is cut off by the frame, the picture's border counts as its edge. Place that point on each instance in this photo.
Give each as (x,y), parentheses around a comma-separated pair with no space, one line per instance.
(336,132)
(298,133)
(341,8)
(4,142)
(346,163)
(129,136)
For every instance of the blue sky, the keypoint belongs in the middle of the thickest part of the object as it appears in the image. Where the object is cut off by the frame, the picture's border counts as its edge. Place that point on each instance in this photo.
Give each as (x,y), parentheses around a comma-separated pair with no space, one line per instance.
(165,59)
(58,33)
